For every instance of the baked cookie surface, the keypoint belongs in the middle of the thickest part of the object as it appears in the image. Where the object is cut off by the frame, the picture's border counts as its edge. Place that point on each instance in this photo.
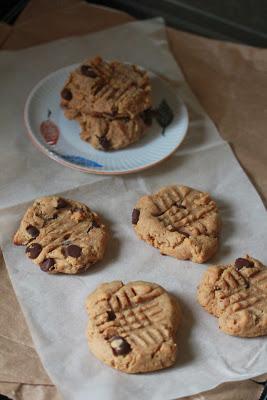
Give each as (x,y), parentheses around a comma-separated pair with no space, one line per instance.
(180,221)
(62,235)
(105,133)
(110,100)
(104,87)
(132,327)
(237,295)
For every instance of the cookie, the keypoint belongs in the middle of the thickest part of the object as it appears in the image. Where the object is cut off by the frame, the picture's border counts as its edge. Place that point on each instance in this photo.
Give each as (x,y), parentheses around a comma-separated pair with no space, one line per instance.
(179,221)
(100,87)
(237,295)
(106,133)
(110,100)
(62,235)
(132,327)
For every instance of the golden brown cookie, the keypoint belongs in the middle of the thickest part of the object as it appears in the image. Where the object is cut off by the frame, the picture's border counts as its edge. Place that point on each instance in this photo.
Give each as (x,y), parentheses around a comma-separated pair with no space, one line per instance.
(237,295)
(62,235)
(132,327)
(180,221)
(105,133)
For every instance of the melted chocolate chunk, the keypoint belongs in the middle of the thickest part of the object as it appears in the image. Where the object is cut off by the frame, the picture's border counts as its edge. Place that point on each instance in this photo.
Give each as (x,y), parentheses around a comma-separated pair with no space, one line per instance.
(47,265)
(147,116)
(243,262)
(111,315)
(67,236)
(120,346)
(88,71)
(62,203)
(54,216)
(95,224)
(33,250)
(135,216)
(33,231)
(104,142)
(73,251)
(66,94)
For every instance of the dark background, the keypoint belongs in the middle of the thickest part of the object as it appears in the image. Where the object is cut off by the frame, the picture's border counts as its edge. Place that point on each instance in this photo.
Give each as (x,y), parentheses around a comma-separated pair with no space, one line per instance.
(243,21)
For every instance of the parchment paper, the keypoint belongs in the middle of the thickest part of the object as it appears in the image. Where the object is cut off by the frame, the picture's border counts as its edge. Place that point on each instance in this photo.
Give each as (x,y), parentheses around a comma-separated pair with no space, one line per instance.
(203,161)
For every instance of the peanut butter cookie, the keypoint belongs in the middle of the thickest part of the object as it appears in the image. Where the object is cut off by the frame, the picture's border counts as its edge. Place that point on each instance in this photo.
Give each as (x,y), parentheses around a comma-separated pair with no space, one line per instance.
(62,235)
(132,326)
(237,295)
(180,221)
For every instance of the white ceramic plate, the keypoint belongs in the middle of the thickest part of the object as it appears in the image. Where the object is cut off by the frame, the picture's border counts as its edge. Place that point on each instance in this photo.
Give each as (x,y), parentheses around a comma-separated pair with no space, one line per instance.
(43,108)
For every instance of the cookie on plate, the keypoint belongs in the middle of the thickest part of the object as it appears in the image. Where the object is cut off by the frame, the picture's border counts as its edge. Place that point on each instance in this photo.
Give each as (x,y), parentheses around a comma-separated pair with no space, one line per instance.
(105,133)
(62,235)
(180,221)
(237,295)
(132,327)
(110,100)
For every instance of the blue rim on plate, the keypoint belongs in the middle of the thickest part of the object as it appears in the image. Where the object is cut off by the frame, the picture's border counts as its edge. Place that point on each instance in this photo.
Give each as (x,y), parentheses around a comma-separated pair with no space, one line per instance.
(43,114)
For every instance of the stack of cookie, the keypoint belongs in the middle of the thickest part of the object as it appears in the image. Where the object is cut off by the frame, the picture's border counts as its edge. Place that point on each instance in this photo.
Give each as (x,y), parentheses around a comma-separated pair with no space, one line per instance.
(110,100)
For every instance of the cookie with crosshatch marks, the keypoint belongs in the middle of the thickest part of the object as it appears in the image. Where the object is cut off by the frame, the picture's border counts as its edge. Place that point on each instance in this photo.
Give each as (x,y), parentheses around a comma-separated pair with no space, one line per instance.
(132,327)
(237,295)
(180,221)
(62,235)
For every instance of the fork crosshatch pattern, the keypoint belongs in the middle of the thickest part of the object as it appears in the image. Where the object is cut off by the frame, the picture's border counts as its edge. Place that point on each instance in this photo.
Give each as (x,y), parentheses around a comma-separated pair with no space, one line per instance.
(180,221)
(139,315)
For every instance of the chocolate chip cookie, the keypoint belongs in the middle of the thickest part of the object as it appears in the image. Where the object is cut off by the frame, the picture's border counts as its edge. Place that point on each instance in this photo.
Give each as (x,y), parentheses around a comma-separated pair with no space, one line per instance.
(180,221)
(108,99)
(132,327)
(237,295)
(106,133)
(62,235)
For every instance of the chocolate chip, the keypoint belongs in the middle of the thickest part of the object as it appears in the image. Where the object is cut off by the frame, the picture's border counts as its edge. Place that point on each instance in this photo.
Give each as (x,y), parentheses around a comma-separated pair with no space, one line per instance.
(73,251)
(66,94)
(86,70)
(181,206)
(62,203)
(111,315)
(54,216)
(120,346)
(243,262)
(33,231)
(33,250)
(147,116)
(105,143)
(135,216)
(66,237)
(47,264)
(95,224)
